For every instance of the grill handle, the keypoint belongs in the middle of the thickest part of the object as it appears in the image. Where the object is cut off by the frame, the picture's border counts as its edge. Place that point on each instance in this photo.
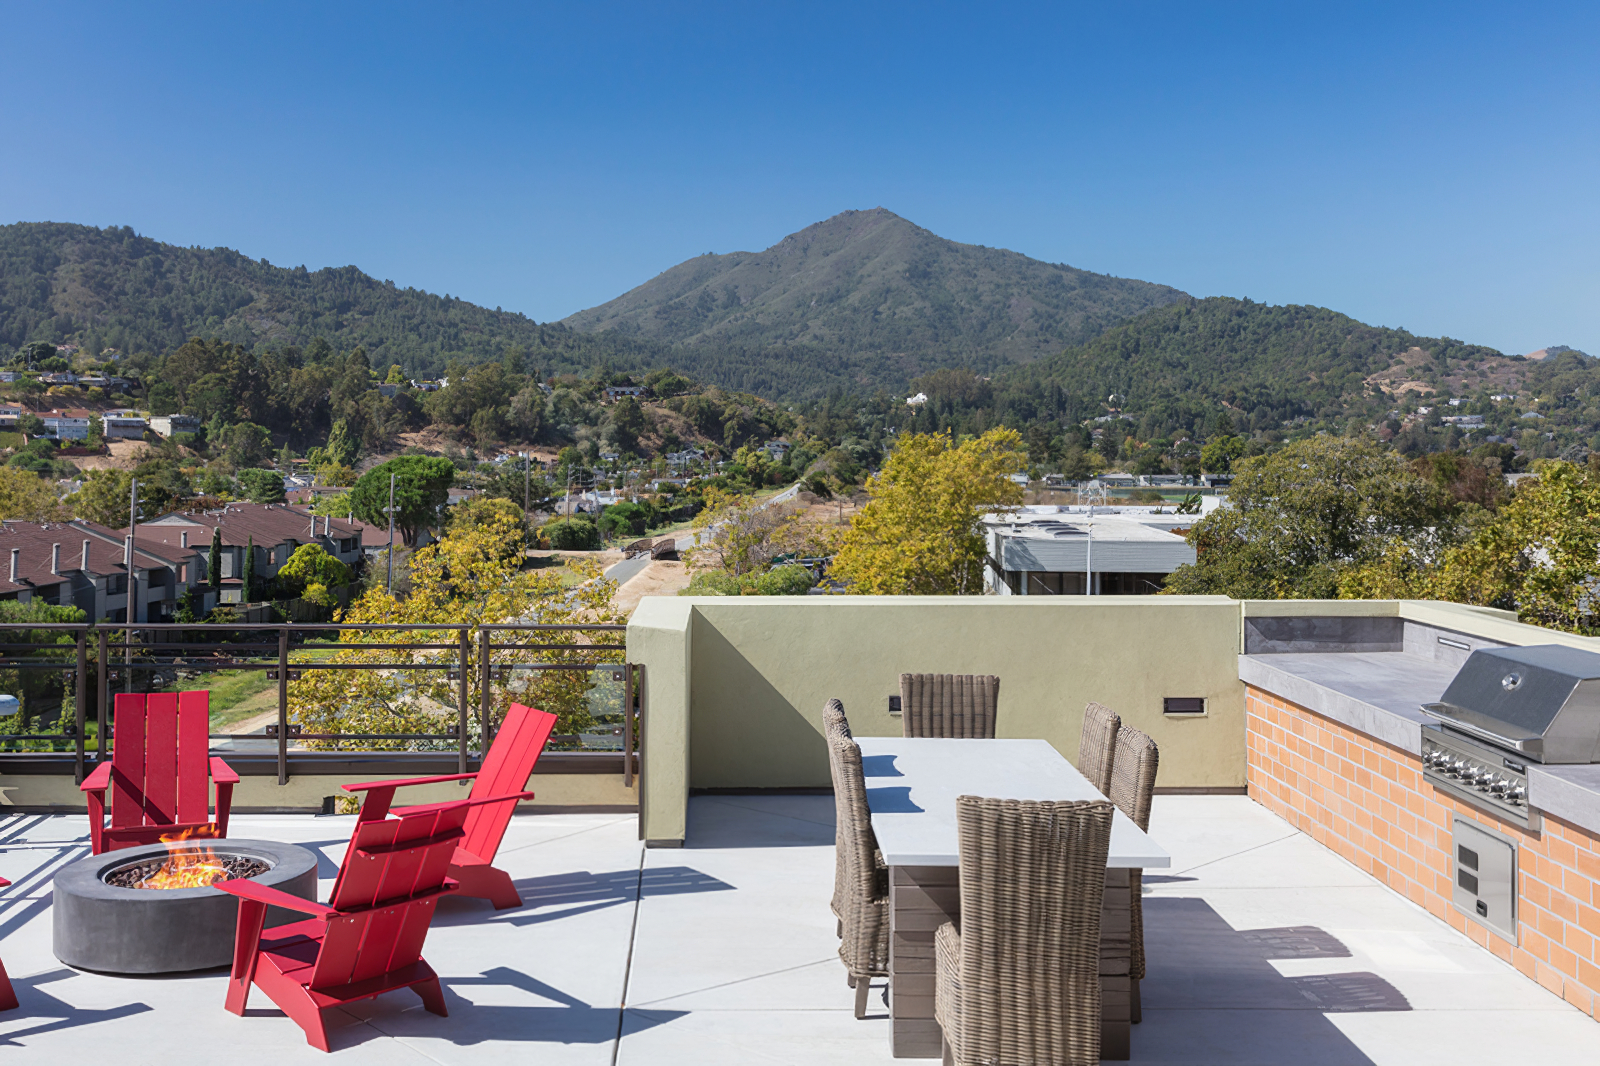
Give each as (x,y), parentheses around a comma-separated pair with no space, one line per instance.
(1533,747)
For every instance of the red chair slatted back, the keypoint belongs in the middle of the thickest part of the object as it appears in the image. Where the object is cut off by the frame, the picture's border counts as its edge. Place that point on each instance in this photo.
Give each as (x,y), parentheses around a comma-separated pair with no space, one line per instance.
(160,759)
(506,768)
(390,880)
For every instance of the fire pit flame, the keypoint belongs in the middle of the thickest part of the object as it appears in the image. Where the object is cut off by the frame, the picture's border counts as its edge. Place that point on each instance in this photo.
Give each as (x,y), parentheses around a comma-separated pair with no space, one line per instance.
(186,867)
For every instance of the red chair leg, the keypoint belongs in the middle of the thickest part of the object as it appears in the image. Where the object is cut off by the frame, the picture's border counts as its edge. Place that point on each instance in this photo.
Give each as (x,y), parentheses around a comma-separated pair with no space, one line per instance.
(8,995)
(432,997)
(246,953)
(487,882)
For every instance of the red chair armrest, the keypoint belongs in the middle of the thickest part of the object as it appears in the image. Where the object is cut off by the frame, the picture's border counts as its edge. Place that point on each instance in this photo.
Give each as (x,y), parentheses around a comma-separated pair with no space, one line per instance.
(222,773)
(509,797)
(99,780)
(273,897)
(367,785)
(4,883)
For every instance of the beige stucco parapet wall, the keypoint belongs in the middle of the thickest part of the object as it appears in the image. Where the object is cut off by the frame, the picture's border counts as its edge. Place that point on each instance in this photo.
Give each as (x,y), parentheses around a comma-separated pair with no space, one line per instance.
(734,686)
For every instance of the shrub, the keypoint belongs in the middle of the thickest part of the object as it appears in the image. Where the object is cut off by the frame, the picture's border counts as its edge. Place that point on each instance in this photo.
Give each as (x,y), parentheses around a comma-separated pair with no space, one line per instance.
(712,583)
(790,580)
(573,535)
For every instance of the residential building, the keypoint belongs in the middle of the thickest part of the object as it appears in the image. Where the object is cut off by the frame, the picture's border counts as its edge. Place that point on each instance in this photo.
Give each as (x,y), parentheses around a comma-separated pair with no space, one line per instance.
(617,392)
(425,386)
(172,425)
(918,400)
(777,449)
(9,416)
(1062,551)
(83,564)
(1464,421)
(274,529)
(62,427)
(124,425)
(60,377)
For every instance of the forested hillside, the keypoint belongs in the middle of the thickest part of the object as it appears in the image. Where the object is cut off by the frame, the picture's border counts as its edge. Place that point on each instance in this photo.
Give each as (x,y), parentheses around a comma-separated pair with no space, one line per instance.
(110,288)
(868,300)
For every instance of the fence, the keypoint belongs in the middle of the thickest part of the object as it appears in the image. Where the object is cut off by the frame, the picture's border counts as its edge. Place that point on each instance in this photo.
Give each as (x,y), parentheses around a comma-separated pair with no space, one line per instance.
(444,687)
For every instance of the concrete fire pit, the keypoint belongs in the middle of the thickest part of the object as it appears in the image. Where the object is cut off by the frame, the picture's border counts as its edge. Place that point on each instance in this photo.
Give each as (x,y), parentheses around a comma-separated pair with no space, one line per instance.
(110,929)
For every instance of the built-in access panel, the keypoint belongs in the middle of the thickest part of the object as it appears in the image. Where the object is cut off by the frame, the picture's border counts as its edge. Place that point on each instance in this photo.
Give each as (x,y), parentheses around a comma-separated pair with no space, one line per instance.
(1485,866)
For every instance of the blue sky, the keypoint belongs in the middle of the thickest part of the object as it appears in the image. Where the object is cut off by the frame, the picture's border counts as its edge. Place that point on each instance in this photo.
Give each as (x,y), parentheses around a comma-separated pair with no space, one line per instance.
(1431,167)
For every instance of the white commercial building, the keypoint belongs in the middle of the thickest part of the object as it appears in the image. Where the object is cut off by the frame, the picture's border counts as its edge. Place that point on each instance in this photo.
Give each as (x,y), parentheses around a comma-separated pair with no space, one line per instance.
(1064,551)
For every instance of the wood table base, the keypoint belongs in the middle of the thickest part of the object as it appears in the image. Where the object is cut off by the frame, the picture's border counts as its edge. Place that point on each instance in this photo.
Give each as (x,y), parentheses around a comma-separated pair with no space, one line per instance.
(922,898)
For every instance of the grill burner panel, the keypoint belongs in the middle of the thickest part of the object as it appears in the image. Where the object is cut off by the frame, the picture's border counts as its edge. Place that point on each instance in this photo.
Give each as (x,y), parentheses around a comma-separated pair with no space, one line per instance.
(1482,775)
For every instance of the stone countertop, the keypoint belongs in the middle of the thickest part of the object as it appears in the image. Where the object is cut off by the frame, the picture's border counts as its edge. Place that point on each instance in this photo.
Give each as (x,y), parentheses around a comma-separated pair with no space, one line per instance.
(1381,693)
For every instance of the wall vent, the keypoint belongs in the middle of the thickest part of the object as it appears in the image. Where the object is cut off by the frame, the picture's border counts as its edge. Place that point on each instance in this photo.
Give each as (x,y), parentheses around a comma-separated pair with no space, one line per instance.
(1183,706)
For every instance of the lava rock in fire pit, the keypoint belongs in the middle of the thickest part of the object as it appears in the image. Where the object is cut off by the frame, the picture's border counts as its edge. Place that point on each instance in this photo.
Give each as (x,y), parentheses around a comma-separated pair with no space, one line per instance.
(142,875)
(109,928)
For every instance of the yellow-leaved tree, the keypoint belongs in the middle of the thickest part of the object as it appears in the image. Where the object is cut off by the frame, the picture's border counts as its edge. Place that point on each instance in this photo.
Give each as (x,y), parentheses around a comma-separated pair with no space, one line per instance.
(1539,556)
(920,533)
(471,577)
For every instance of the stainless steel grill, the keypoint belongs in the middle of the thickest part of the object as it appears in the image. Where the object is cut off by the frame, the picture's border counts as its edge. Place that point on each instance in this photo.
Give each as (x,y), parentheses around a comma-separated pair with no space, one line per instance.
(1505,708)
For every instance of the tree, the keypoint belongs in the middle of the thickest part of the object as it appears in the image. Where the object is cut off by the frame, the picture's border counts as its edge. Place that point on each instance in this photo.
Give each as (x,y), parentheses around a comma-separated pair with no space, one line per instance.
(740,535)
(310,565)
(1219,453)
(332,505)
(341,448)
(103,497)
(421,490)
(247,589)
(214,560)
(1301,517)
(29,498)
(471,577)
(921,533)
(396,375)
(262,486)
(573,535)
(490,512)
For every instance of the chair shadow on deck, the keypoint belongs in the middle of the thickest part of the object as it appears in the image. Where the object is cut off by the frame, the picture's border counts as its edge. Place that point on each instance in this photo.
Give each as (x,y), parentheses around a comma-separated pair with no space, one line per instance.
(565,1020)
(564,895)
(50,1014)
(1213,995)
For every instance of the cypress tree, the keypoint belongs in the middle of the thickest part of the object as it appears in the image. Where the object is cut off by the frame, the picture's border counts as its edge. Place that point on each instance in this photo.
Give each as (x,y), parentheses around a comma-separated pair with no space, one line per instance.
(247,591)
(214,564)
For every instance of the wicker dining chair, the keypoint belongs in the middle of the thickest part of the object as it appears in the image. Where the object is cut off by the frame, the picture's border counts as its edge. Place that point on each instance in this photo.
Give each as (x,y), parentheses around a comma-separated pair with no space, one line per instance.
(1133,784)
(865,904)
(1097,745)
(1020,981)
(959,706)
(835,725)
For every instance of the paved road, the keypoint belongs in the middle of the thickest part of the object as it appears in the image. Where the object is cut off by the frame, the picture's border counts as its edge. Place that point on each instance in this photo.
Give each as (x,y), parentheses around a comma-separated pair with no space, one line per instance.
(620,572)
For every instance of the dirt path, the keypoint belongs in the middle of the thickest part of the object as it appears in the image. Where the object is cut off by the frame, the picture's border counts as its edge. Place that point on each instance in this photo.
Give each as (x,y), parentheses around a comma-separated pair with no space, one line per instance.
(660,578)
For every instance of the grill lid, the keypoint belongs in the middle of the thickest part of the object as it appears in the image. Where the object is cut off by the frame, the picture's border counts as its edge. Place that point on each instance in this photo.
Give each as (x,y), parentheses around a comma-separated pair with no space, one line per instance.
(1542,701)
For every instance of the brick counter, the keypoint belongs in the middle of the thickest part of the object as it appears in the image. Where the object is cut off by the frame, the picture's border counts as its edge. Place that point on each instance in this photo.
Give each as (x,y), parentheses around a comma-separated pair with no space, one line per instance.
(1367,801)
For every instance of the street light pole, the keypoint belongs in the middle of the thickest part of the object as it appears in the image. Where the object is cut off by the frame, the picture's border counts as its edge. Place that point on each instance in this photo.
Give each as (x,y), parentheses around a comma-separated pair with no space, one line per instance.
(389,581)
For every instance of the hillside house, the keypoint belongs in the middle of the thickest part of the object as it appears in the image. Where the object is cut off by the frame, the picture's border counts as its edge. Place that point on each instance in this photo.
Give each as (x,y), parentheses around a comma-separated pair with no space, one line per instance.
(617,392)
(172,425)
(124,425)
(64,427)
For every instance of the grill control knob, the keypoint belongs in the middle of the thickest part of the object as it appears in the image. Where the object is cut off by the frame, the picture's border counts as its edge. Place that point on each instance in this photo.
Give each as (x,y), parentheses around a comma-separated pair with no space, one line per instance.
(1499,786)
(1517,794)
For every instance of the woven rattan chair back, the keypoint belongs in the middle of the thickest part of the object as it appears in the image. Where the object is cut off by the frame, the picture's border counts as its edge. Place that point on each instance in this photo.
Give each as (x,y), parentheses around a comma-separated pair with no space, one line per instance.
(1020,982)
(1097,746)
(959,706)
(1133,785)
(834,727)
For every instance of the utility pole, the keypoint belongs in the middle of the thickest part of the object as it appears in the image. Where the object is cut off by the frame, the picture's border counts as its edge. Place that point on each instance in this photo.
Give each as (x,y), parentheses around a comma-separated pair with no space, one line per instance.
(390,553)
(133,582)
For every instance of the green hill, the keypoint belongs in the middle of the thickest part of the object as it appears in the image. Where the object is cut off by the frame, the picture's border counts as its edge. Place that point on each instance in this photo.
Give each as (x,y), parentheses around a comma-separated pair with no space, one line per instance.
(868,300)
(110,288)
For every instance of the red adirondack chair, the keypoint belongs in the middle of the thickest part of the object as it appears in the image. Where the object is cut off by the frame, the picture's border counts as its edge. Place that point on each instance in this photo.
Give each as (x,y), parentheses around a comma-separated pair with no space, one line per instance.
(8,996)
(159,774)
(505,771)
(368,939)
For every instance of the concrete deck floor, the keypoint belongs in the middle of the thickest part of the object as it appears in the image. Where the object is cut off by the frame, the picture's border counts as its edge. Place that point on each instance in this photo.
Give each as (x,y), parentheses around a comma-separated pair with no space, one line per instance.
(1264,948)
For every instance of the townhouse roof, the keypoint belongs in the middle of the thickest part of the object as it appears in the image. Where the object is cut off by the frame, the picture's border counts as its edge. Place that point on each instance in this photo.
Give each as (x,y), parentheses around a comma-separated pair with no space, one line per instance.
(264,523)
(34,543)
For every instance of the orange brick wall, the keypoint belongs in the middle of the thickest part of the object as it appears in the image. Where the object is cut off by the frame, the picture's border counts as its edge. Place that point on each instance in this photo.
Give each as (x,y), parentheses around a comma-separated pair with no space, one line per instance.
(1368,802)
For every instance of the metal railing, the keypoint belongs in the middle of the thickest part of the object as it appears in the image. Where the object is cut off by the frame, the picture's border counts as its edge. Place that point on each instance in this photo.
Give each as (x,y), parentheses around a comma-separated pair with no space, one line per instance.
(154,656)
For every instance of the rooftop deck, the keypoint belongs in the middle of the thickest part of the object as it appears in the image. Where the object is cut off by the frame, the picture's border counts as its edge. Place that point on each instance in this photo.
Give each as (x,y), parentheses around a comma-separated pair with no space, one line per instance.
(1264,947)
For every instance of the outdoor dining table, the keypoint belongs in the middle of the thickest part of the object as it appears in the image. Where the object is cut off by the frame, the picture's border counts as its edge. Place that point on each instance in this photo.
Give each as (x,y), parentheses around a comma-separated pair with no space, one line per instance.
(912,785)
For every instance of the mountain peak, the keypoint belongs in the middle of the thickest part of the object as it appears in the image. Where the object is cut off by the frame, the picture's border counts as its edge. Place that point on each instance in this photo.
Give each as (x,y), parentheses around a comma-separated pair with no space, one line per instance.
(879,291)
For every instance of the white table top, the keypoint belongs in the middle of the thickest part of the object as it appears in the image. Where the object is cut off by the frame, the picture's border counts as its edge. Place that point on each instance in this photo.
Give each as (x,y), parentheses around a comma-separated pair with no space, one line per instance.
(913,782)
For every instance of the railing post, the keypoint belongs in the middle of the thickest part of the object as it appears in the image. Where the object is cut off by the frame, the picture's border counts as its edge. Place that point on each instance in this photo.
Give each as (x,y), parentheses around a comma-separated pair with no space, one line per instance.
(461,700)
(483,694)
(283,705)
(82,688)
(103,683)
(627,725)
